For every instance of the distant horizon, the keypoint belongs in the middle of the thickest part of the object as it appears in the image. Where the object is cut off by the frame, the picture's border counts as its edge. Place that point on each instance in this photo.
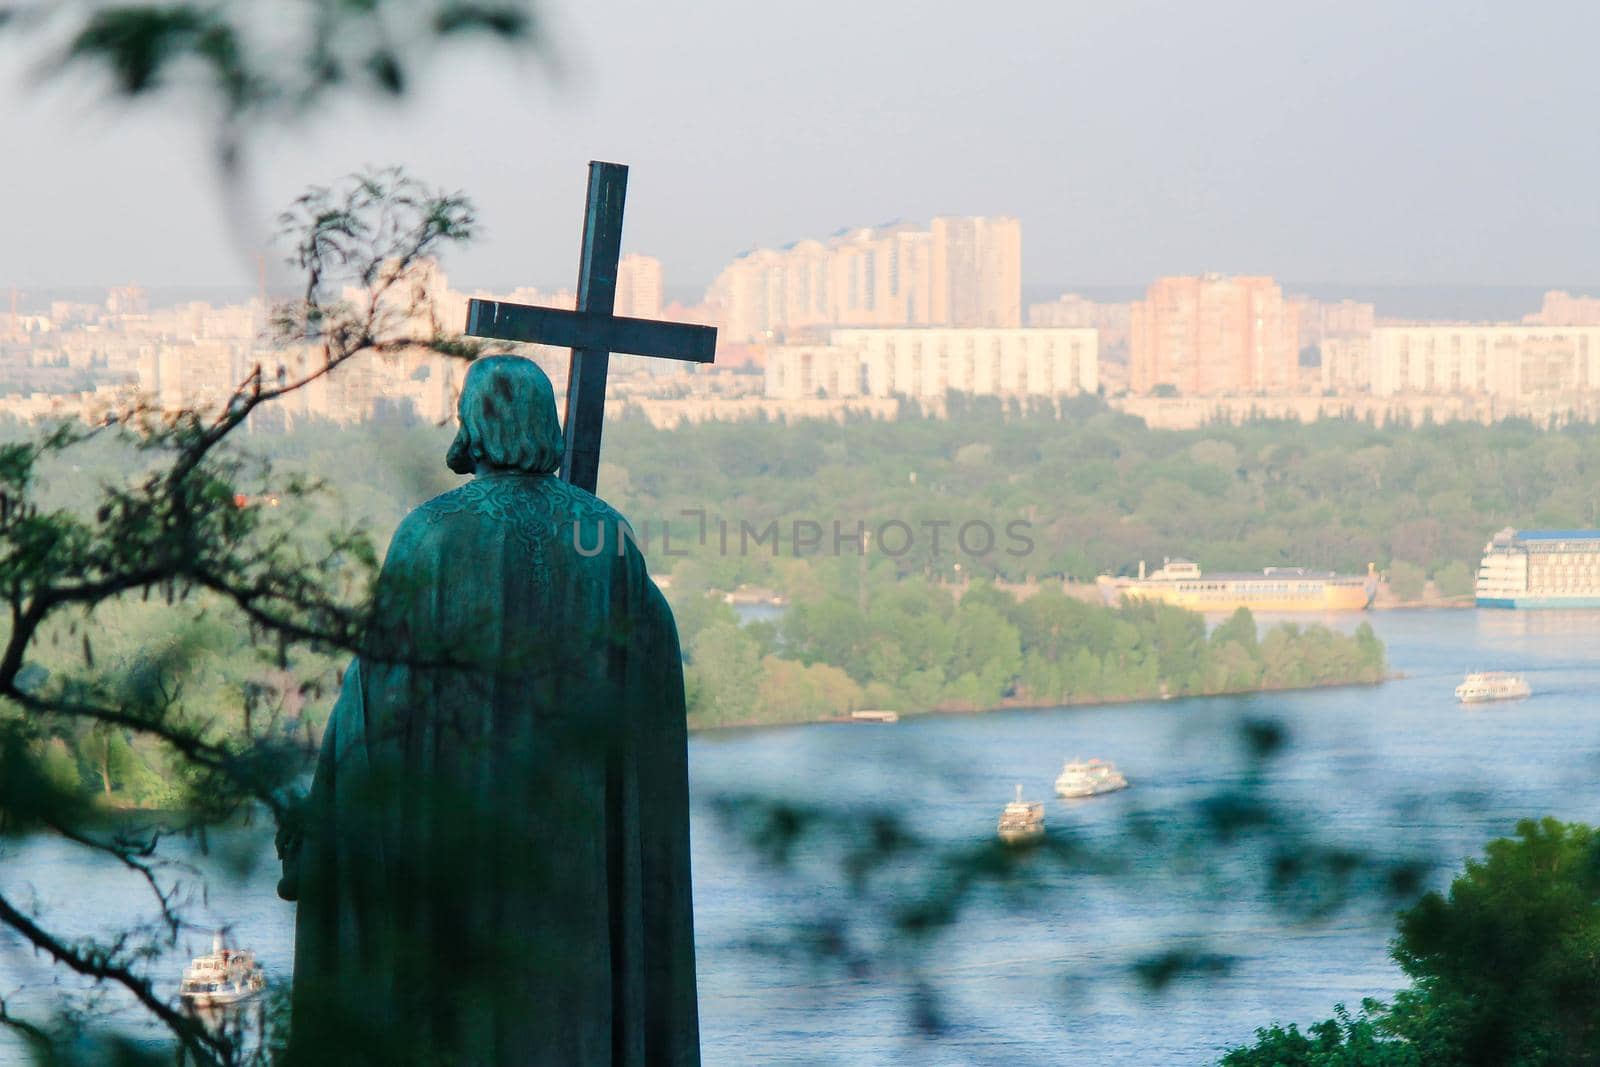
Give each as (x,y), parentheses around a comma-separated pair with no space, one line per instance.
(1423,301)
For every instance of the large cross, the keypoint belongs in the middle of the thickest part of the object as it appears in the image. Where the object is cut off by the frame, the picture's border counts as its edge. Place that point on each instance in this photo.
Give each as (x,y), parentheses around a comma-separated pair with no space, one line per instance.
(592,331)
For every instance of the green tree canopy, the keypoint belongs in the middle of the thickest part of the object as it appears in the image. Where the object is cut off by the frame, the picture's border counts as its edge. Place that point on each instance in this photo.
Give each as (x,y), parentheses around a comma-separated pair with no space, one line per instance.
(1505,969)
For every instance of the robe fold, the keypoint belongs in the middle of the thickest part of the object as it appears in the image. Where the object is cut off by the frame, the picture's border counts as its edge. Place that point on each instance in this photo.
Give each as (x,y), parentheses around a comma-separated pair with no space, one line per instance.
(495,857)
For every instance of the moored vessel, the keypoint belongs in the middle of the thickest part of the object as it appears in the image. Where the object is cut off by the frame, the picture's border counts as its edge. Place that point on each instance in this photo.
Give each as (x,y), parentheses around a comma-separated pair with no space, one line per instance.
(1022,821)
(224,976)
(1088,778)
(1273,589)
(1540,569)
(1481,687)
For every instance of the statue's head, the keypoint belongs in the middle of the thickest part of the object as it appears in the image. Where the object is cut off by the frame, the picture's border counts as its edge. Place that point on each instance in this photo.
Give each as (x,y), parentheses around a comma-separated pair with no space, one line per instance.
(508,419)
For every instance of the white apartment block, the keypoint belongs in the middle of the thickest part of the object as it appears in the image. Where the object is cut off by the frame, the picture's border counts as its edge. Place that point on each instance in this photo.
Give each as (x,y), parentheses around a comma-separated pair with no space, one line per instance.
(1506,360)
(930,362)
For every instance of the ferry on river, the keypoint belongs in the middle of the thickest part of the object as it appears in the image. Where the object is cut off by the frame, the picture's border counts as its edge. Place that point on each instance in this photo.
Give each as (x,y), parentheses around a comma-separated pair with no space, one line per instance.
(1022,821)
(225,976)
(1272,589)
(1484,686)
(1089,778)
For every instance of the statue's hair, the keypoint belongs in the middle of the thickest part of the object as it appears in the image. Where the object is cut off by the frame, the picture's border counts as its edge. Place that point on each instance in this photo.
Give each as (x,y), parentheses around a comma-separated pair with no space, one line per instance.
(508,419)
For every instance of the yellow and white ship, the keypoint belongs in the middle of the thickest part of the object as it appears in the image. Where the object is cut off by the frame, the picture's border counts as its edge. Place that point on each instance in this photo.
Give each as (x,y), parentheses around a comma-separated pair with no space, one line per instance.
(1274,589)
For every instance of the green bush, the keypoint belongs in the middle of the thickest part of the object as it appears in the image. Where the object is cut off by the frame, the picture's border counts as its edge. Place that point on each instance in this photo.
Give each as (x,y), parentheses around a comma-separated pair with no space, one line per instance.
(1407,580)
(1505,969)
(1454,579)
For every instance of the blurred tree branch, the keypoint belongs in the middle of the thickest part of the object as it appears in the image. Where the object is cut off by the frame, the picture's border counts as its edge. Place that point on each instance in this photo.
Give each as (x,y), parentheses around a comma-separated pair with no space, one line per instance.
(192,531)
(255,64)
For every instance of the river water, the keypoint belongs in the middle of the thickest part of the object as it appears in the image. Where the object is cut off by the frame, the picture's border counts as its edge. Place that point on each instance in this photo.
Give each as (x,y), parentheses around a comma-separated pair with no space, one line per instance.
(1040,968)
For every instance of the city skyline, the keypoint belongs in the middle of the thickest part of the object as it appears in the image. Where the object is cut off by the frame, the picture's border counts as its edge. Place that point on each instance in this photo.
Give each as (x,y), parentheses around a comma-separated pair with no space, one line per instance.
(1195,348)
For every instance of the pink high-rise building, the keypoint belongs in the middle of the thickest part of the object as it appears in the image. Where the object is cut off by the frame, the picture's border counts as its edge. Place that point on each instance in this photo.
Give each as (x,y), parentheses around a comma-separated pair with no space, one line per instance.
(1561,308)
(1214,334)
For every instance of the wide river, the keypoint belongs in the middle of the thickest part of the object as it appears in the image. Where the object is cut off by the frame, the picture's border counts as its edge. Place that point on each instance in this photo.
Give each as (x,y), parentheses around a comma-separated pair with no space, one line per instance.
(1039,965)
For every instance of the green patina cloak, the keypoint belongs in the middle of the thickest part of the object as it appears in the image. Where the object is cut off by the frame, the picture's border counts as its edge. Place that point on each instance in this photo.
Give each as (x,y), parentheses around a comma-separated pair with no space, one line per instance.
(495,862)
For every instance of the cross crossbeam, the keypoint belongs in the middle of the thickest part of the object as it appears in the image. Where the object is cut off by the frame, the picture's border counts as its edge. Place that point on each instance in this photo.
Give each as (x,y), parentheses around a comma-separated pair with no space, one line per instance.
(586,329)
(592,331)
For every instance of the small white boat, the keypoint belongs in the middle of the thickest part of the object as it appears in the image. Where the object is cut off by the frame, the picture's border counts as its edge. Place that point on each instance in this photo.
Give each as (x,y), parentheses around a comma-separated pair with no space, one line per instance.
(225,976)
(1022,821)
(1089,778)
(1484,686)
(875,715)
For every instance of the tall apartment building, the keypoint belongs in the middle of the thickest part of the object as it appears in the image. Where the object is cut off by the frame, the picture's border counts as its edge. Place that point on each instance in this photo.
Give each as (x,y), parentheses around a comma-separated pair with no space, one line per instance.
(977,272)
(639,287)
(931,362)
(1213,334)
(1505,360)
(956,272)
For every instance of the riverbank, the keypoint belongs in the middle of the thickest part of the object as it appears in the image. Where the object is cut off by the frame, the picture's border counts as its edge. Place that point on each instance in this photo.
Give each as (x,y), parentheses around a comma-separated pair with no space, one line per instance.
(1386,599)
(1025,704)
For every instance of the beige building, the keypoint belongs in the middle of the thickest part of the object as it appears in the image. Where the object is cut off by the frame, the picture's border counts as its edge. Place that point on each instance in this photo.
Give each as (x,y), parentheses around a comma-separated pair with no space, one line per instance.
(930,362)
(956,272)
(977,272)
(1347,363)
(1320,320)
(1514,362)
(200,374)
(1110,321)
(1214,334)
(639,287)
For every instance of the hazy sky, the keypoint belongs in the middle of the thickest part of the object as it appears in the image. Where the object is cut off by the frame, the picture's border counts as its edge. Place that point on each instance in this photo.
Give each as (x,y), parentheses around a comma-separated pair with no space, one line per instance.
(1349,141)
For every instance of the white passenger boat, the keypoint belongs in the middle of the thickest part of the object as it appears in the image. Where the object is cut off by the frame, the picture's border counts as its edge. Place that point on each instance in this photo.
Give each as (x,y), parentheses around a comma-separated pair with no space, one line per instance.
(1088,778)
(225,976)
(1022,821)
(1484,686)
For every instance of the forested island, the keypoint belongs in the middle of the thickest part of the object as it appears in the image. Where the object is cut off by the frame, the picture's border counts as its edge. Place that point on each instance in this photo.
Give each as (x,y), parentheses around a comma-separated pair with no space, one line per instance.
(915,647)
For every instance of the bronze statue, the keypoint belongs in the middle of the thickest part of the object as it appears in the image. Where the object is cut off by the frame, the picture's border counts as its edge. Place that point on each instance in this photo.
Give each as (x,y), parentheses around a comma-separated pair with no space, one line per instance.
(493,864)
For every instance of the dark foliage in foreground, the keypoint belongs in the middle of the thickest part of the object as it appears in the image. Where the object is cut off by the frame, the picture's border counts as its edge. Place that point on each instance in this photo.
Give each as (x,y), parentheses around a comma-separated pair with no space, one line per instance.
(221,52)
(213,543)
(1505,969)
